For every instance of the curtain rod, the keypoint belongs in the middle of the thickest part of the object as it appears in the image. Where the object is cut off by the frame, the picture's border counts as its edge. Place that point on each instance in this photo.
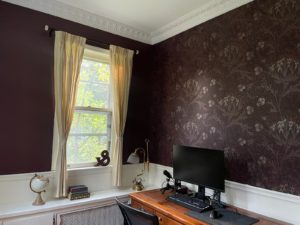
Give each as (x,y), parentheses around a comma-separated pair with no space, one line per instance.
(88,41)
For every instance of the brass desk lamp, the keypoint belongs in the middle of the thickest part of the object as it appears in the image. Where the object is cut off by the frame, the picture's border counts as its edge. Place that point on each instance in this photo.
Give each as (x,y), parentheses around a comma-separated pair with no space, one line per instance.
(134,158)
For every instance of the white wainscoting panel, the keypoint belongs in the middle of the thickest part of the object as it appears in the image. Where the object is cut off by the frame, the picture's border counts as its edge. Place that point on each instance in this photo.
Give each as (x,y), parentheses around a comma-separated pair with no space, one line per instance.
(277,205)
(15,188)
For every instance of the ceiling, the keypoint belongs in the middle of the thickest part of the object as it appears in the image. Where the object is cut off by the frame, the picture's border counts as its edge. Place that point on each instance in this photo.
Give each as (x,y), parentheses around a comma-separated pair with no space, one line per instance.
(148,21)
(145,15)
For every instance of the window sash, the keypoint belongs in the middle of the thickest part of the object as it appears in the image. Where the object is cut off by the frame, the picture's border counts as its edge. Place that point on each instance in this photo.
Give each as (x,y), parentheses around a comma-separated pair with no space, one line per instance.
(100,56)
(88,134)
(95,82)
(108,101)
(93,110)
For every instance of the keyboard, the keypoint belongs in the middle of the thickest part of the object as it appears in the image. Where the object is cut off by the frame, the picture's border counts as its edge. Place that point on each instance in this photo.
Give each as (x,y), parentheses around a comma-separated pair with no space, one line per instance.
(189,202)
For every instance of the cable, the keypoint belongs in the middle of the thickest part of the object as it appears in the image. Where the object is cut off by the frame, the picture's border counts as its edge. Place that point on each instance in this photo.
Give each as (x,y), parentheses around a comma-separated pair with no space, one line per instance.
(163,183)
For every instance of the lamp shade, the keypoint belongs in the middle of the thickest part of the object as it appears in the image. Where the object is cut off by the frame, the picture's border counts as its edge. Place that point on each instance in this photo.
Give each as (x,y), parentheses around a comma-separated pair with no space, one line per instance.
(133,158)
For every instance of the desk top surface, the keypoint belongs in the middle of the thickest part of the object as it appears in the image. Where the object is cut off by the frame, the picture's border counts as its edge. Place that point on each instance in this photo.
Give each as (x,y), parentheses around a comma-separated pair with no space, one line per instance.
(157,201)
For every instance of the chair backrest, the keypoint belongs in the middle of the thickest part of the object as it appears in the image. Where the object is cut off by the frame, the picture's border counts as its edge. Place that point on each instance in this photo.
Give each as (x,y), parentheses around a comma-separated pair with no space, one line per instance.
(134,216)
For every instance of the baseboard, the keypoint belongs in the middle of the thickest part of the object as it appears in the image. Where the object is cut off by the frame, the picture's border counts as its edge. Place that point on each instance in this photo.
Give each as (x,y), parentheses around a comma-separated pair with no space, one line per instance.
(277,205)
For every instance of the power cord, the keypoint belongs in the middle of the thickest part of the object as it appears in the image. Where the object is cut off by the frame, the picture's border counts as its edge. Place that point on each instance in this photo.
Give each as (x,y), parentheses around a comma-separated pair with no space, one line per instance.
(168,186)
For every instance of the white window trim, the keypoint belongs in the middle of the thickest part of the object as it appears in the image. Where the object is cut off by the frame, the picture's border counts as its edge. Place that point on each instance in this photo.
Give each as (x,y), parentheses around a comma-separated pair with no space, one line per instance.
(99,55)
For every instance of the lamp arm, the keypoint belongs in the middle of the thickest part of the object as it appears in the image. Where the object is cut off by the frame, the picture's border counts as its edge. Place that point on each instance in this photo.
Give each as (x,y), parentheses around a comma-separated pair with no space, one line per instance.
(144,153)
(146,161)
(147,148)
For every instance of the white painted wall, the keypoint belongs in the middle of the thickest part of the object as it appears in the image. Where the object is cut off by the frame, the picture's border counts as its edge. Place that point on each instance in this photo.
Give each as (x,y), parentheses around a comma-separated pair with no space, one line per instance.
(286,207)
(15,188)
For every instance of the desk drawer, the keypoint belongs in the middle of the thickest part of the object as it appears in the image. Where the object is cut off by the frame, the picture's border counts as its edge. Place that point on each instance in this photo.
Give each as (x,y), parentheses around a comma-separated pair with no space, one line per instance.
(142,207)
(164,220)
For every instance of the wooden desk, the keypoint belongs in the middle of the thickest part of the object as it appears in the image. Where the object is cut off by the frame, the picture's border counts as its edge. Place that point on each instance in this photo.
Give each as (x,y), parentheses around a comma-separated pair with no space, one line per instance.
(170,213)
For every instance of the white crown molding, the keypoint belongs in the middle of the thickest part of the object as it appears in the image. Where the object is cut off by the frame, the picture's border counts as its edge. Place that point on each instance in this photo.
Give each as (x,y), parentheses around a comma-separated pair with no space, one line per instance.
(210,10)
(65,11)
(200,15)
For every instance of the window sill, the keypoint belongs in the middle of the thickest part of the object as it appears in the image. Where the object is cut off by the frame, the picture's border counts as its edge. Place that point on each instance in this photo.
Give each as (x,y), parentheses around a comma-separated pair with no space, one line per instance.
(89,170)
(101,198)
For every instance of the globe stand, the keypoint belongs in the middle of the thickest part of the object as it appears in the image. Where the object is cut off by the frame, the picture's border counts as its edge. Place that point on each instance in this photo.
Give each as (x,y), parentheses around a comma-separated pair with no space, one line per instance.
(38,184)
(39,200)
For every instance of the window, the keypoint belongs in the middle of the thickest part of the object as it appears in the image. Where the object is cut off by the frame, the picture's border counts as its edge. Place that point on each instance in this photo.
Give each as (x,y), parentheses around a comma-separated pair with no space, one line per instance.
(90,132)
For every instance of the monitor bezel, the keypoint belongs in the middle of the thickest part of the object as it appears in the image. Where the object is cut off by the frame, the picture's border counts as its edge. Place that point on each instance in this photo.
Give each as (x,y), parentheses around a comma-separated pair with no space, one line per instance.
(201,148)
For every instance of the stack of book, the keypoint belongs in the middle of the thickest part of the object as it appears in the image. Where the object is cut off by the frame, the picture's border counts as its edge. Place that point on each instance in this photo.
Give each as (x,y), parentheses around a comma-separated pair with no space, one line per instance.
(78,192)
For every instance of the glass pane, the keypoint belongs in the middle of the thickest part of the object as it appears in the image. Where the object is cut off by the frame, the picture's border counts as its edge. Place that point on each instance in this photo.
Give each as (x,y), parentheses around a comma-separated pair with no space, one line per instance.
(89,122)
(92,94)
(82,149)
(94,82)
(89,136)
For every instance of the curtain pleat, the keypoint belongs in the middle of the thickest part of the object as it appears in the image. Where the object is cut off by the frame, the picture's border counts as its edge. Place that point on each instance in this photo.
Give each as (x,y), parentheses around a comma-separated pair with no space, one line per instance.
(68,54)
(121,69)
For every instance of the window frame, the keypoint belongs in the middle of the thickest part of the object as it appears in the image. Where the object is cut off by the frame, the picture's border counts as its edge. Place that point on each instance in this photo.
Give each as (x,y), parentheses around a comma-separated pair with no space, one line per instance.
(100,55)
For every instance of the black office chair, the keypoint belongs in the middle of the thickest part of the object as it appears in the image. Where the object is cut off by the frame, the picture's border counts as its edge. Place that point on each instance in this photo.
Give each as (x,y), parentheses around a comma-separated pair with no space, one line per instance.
(134,216)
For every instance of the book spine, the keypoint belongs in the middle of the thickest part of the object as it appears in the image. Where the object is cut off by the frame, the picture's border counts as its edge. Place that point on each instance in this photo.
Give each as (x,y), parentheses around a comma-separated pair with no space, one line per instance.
(76,186)
(74,196)
(78,189)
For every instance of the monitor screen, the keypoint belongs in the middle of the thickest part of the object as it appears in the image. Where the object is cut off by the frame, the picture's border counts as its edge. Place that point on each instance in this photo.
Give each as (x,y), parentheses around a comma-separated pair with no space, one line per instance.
(200,166)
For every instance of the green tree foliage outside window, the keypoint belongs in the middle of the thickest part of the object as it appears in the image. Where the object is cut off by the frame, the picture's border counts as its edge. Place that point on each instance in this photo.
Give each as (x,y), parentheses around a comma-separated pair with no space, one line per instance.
(90,130)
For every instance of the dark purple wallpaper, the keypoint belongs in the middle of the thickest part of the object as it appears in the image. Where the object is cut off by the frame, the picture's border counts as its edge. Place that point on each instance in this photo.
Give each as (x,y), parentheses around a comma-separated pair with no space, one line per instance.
(26,87)
(233,83)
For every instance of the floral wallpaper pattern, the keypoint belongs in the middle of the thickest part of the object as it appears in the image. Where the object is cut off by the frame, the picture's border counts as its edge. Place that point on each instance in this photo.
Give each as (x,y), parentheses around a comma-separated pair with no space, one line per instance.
(233,83)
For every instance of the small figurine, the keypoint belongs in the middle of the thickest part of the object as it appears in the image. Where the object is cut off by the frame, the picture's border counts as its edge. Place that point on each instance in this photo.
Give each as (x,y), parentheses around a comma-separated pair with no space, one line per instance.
(104,160)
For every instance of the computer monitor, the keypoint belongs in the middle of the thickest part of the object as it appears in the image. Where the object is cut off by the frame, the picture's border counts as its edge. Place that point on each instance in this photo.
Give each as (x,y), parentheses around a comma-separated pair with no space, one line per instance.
(200,166)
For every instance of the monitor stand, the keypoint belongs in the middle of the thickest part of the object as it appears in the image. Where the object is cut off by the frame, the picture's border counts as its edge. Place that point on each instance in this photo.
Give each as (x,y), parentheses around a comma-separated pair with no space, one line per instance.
(201,193)
(216,198)
(214,201)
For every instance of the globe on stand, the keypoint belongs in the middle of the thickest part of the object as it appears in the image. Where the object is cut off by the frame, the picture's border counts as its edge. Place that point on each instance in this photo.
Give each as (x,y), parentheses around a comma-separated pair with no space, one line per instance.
(38,184)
